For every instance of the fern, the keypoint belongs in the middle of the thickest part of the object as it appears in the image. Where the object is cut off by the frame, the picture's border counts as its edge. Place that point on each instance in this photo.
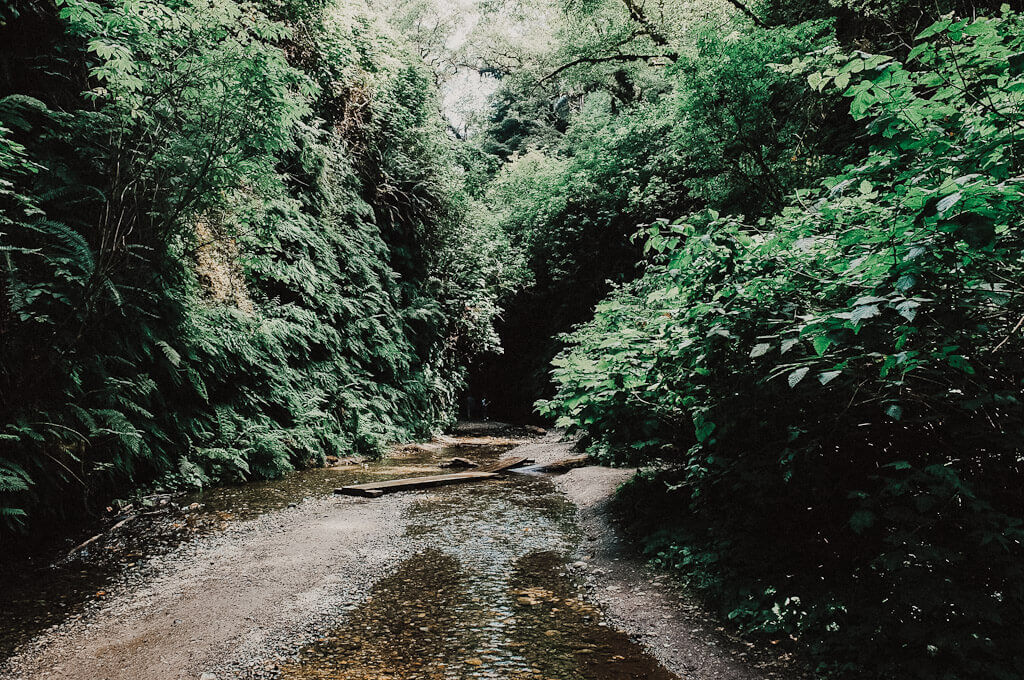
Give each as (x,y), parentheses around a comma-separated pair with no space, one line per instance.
(14,481)
(172,355)
(126,369)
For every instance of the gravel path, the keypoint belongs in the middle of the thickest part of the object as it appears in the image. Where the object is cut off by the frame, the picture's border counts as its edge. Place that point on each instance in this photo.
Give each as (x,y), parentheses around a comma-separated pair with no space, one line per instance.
(673,626)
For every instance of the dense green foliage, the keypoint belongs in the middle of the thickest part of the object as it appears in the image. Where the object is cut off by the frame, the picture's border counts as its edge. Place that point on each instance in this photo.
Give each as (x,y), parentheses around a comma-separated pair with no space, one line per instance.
(828,392)
(611,147)
(775,246)
(234,239)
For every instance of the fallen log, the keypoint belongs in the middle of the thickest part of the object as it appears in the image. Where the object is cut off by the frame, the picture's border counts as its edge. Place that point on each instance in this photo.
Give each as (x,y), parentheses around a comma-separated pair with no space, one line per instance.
(564,465)
(506,464)
(376,489)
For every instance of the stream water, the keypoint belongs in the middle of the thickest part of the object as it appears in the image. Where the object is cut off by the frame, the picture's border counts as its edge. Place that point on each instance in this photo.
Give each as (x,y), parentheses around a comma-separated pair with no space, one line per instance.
(486,594)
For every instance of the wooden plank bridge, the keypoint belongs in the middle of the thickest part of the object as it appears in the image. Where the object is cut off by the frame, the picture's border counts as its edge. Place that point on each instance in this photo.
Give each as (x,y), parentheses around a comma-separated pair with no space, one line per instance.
(377,489)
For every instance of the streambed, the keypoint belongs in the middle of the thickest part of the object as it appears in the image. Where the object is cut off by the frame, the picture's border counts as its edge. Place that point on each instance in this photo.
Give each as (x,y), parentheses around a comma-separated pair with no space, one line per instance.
(473,583)
(487,595)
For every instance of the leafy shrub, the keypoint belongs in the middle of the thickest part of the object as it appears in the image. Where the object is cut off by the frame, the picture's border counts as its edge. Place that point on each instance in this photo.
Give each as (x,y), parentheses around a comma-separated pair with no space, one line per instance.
(719,127)
(833,393)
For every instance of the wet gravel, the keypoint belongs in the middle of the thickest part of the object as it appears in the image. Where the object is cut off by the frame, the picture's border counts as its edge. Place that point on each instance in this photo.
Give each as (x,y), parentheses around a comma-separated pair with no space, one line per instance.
(650,607)
(504,579)
(222,601)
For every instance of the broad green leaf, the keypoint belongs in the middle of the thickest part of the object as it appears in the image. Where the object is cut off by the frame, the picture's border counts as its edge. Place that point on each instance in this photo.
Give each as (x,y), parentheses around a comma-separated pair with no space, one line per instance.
(863,313)
(821,344)
(948,202)
(828,376)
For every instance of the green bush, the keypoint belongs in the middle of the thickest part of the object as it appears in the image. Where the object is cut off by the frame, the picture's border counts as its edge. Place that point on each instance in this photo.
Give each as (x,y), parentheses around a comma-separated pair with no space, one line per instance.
(832,394)
(717,127)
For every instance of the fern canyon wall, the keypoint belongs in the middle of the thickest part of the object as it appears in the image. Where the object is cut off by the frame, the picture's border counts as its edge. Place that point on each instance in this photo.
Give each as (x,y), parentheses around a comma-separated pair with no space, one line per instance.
(234,239)
(765,254)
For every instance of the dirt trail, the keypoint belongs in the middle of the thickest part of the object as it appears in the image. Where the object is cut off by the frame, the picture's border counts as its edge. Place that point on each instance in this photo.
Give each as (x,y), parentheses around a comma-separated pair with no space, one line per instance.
(237,603)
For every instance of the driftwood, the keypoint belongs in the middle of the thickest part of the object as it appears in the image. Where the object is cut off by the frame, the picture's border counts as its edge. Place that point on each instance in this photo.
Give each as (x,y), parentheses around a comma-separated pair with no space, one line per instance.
(506,464)
(89,541)
(375,489)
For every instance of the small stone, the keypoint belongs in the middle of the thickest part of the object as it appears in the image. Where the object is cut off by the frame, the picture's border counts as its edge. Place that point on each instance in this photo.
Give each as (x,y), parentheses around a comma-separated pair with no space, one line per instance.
(459,463)
(208,676)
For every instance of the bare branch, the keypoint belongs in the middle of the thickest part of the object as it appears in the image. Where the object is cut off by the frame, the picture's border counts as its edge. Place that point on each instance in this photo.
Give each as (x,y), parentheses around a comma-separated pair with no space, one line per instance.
(604,60)
(636,13)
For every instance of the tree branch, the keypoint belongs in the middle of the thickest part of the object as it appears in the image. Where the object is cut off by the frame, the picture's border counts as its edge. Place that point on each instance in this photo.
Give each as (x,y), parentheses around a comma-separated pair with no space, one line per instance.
(605,60)
(746,10)
(636,13)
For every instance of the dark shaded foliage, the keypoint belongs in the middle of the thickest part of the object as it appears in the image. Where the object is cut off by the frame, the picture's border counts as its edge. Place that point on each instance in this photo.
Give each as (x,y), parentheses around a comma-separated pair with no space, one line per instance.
(829,397)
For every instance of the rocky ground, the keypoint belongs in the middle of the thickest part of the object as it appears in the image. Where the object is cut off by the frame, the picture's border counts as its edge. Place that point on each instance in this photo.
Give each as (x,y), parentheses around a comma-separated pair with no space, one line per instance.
(231,595)
(238,603)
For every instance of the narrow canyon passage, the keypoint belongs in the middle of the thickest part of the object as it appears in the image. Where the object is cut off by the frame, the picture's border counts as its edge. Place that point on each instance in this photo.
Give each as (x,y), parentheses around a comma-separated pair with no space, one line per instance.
(266,265)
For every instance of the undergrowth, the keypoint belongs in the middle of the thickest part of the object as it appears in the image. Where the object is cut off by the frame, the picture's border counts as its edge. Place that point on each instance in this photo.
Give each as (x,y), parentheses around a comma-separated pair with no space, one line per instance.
(292,151)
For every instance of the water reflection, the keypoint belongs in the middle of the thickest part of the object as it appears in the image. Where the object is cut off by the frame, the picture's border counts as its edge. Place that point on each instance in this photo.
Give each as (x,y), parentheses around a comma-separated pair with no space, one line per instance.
(487,596)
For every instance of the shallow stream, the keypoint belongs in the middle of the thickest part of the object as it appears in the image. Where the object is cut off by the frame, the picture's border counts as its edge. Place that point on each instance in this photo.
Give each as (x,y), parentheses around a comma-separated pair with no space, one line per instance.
(487,593)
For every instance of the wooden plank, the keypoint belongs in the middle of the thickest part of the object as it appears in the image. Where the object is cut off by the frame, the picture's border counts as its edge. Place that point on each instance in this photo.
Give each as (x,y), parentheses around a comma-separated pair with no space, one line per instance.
(506,464)
(375,489)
